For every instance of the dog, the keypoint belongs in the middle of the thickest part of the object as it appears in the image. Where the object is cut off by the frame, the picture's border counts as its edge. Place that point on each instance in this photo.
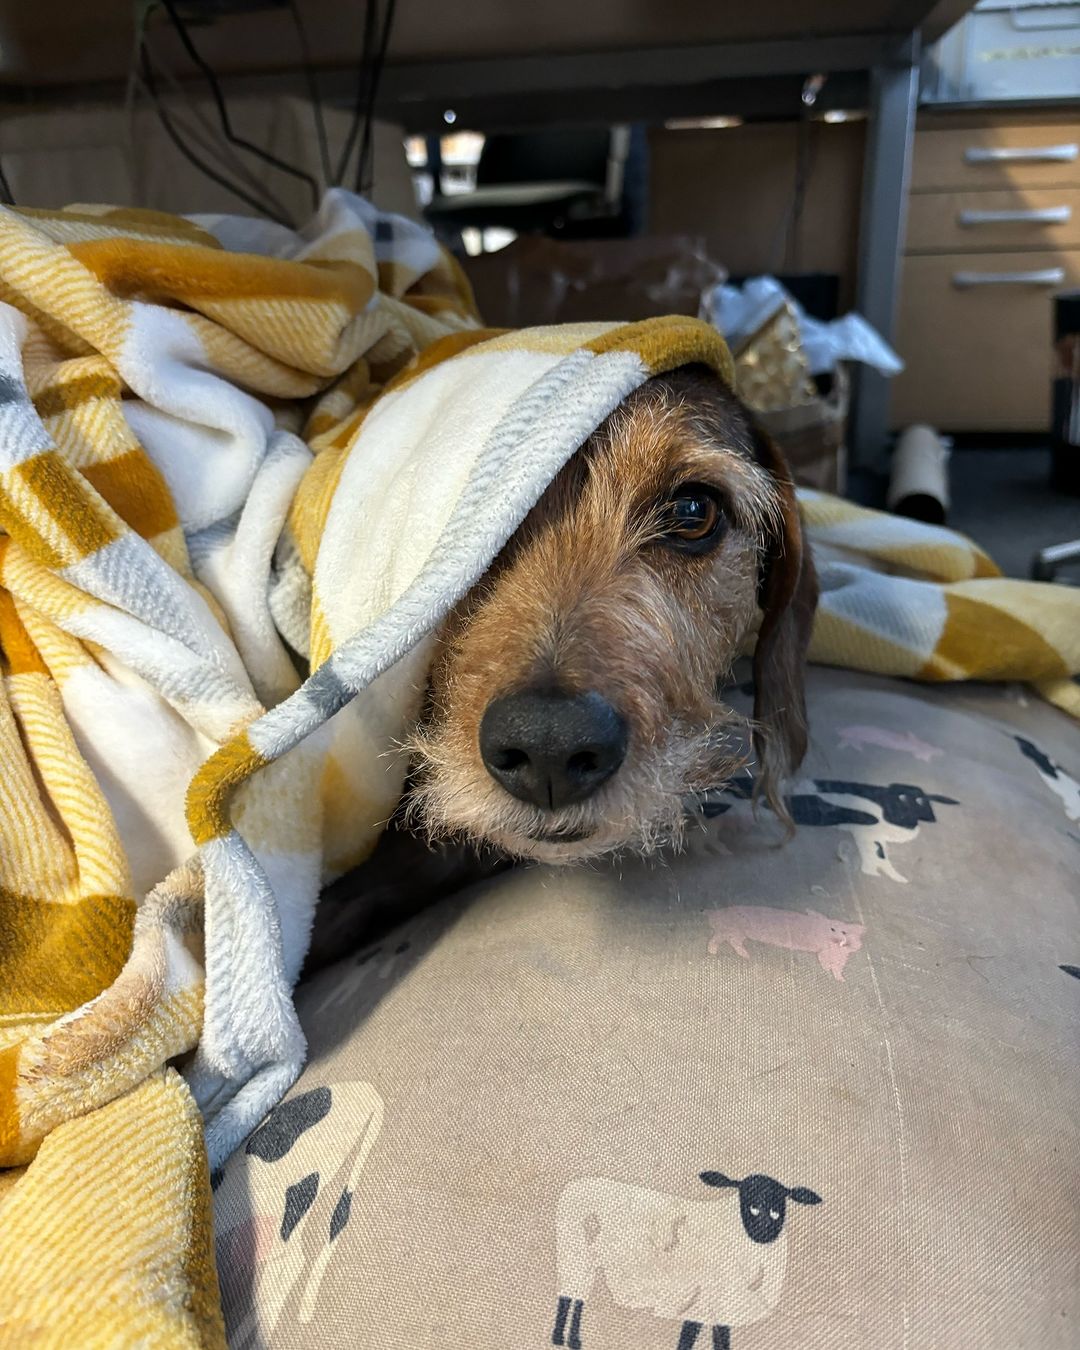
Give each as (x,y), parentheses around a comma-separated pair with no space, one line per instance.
(573,703)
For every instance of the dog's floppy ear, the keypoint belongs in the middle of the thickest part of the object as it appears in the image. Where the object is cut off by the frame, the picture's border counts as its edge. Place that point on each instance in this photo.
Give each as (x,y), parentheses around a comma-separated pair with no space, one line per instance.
(787,595)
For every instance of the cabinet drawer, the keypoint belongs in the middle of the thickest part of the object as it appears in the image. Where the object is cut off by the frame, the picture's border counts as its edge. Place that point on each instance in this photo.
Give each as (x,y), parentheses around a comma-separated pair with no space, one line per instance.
(978,354)
(978,222)
(1044,155)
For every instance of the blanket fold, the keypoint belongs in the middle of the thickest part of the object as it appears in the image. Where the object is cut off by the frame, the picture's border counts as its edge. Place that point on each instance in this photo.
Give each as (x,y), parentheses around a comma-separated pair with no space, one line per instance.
(216,466)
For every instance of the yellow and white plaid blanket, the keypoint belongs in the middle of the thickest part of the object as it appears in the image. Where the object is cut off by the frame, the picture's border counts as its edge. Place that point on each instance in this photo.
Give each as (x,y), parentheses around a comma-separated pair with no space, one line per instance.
(228,454)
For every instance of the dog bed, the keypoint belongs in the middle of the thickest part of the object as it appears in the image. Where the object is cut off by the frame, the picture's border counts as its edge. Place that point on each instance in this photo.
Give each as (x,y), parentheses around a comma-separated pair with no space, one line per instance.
(881,1013)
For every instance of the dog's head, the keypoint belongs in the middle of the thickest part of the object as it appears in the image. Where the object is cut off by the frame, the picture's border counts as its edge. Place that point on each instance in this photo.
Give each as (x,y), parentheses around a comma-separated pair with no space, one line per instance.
(573,702)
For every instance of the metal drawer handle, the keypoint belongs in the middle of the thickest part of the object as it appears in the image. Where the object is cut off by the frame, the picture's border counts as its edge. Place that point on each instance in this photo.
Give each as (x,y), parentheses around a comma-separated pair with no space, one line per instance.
(992,154)
(1046,276)
(1045,215)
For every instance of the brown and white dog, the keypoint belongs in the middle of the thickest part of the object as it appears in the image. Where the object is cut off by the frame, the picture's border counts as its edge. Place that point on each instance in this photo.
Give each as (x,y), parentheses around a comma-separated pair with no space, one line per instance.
(573,703)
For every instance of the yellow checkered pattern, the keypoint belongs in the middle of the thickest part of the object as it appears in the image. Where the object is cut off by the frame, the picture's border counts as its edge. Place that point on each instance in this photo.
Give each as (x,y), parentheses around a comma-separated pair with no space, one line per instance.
(105,626)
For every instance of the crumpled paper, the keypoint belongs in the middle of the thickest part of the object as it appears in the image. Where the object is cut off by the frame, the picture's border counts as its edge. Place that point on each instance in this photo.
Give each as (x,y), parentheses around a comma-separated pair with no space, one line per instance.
(741,311)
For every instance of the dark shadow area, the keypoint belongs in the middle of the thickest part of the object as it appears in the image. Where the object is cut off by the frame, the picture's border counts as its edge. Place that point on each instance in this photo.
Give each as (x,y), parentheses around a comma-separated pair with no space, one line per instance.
(1003,500)
(402,878)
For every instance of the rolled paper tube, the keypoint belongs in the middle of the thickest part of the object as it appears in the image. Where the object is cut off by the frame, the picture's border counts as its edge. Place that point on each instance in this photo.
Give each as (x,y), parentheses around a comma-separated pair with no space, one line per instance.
(919,483)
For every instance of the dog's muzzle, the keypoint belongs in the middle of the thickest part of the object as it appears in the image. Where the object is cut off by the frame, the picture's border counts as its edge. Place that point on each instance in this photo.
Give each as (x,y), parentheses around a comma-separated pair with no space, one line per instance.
(550,748)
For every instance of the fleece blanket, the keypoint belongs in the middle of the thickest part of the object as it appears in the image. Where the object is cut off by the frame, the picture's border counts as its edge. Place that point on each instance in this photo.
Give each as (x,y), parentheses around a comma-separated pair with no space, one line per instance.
(244,474)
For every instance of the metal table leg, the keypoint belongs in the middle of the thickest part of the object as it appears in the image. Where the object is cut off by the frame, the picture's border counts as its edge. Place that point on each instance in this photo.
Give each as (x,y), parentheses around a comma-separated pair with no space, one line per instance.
(894,90)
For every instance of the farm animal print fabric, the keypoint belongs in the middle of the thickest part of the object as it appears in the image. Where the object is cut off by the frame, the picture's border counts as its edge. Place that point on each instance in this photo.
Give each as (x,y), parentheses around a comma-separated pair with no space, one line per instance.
(286,1200)
(821,1094)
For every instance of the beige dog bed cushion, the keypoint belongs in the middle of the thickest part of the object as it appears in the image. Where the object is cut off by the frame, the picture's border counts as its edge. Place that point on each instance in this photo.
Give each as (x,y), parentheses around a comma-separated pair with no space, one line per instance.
(822,1094)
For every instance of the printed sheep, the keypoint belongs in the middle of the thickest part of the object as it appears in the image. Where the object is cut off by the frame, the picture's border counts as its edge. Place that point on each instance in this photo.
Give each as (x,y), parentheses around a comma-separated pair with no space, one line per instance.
(1054,776)
(714,1261)
(874,815)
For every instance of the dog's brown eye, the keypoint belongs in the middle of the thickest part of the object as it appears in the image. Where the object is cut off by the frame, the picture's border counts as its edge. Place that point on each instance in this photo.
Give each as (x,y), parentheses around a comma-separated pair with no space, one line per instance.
(693,518)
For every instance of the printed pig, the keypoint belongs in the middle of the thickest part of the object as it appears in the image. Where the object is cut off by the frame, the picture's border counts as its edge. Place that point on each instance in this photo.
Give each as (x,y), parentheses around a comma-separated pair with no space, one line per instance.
(854,738)
(831,940)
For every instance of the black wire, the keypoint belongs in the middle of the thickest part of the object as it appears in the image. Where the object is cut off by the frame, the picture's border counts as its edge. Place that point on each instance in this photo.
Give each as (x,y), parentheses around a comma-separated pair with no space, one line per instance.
(223,111)
(805,157)
(235,167)
(190,155)
(5,187)
(313,91)
(366,44)
(363,163)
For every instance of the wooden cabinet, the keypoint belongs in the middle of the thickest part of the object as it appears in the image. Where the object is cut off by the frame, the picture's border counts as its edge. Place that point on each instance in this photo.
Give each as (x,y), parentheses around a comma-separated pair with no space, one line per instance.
(993,234)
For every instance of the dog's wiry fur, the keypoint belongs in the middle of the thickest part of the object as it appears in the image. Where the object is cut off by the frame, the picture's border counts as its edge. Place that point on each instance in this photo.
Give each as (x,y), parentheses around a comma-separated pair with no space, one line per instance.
(587,596)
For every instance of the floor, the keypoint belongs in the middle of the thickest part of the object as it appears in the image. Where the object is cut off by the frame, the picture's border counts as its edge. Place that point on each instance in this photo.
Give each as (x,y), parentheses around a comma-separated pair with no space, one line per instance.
(1002,499)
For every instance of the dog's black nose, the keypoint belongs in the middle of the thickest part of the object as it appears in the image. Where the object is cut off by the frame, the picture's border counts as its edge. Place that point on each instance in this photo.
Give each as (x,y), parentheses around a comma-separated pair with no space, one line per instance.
(552,749)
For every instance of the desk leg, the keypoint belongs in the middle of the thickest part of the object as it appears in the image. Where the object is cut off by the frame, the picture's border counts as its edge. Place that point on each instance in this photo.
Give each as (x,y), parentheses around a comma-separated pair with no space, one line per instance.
(893,94)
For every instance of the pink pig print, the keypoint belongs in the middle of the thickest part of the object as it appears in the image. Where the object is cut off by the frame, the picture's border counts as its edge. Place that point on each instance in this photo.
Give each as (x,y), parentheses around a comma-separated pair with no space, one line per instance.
(831,940)
(855,738)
